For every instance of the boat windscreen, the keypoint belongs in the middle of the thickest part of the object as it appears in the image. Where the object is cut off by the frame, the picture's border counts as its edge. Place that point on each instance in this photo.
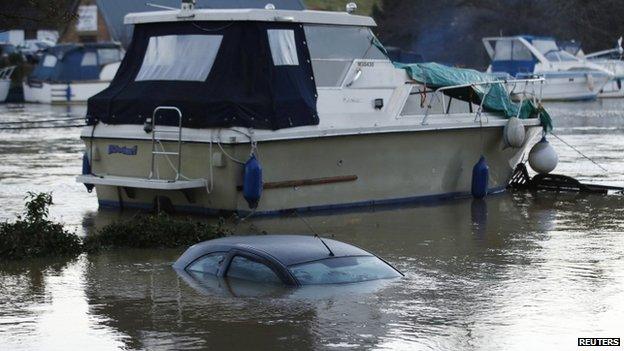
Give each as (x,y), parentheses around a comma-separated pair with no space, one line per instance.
(219,74)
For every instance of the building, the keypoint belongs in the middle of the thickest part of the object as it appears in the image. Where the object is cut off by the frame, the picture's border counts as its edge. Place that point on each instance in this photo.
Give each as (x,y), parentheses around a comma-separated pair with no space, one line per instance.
(102,20)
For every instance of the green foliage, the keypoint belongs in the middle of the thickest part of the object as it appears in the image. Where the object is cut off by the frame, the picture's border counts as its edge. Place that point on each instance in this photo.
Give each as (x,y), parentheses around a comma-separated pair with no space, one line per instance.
(34,235)
(450,31)
(152,231)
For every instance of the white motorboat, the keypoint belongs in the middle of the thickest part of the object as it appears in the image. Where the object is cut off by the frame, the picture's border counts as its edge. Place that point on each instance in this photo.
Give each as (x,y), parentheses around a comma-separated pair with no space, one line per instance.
(269,110)
(5,82)
(568,78)
(611,60)
(72,73)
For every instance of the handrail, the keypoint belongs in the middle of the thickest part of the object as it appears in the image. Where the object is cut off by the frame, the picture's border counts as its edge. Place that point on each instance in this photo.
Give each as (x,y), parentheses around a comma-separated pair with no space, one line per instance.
(154,140)
(440,97)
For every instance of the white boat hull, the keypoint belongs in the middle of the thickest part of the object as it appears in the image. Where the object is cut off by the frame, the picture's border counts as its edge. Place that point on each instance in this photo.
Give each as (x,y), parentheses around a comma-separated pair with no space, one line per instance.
(320,173)
(613,89)
(62,93)
(5,84)
(569,88)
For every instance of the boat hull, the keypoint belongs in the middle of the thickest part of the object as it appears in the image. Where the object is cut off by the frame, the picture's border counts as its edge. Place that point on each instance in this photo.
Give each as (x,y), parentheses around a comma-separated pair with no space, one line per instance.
(576,87)
(62,93)
(320,173)
(613,89)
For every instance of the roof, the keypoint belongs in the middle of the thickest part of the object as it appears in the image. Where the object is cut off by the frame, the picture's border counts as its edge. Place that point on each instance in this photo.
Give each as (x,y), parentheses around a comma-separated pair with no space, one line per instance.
(114,11)
(306,16)
(288,249)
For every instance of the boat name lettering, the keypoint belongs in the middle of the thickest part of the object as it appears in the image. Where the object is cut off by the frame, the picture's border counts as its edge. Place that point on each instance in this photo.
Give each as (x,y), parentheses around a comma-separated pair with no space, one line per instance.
(116,149)
(351,100)
(366,64)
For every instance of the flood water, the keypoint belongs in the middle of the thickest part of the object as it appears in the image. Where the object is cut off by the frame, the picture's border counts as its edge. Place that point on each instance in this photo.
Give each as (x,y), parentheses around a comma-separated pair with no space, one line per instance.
(518,271)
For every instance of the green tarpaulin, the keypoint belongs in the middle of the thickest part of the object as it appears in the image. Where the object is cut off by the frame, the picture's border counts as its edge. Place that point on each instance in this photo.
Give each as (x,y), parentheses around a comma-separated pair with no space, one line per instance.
(497,100)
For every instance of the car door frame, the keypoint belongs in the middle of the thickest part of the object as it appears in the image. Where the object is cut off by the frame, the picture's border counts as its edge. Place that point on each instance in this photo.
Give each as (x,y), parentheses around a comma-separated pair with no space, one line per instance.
(258,256)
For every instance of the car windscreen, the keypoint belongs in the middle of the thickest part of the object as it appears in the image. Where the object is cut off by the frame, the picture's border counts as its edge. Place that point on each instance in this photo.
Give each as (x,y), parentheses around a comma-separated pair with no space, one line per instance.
(341,270)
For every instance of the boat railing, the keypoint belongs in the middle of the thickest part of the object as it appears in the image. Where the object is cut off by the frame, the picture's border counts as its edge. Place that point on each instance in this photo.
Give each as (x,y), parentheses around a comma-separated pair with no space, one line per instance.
(439,96)
(6,72)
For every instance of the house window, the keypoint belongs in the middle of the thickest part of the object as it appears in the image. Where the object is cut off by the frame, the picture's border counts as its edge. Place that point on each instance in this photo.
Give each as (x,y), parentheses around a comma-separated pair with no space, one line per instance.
(179,57)
(283,47)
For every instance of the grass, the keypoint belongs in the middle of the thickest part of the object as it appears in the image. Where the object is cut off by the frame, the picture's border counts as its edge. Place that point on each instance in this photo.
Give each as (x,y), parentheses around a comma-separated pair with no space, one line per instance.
(34,235)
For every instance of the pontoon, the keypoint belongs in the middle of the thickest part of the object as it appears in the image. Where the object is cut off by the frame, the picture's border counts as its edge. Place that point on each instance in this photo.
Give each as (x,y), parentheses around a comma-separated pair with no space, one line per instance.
(208,100)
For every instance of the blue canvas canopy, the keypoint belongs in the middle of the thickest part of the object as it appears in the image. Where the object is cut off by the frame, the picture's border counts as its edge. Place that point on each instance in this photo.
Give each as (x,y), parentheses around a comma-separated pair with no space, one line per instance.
(67,62)
(495,97)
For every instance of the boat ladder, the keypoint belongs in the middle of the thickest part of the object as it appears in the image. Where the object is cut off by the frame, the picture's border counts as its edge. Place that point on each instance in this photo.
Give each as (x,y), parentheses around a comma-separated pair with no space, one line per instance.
(161,152)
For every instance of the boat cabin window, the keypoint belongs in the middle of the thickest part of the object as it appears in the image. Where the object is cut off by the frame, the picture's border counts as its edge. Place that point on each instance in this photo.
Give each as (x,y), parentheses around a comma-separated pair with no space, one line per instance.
(544,46)
(283,48)
(208,264)
(552,51)
(179,57)
(89,59)
(107,56)
(49,61)
(333,49)
(246,269)
(511,50)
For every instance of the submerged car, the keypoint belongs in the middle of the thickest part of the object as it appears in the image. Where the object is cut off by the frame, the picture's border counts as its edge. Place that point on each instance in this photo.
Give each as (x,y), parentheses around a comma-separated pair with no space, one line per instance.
(292,260)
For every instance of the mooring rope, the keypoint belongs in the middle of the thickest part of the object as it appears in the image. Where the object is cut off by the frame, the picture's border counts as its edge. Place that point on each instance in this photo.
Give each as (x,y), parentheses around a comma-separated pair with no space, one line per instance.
(579,152)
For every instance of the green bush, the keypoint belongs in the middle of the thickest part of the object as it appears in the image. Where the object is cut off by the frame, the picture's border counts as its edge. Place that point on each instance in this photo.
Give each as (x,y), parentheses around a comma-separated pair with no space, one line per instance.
(33,235)
(152,231)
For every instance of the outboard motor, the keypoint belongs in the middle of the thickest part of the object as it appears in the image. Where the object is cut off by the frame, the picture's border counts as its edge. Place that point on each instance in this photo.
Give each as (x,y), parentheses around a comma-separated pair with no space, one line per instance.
(252,181)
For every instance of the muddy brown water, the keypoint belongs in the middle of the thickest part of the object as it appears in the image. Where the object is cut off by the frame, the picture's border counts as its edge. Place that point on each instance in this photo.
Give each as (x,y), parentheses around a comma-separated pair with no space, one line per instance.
(518,271)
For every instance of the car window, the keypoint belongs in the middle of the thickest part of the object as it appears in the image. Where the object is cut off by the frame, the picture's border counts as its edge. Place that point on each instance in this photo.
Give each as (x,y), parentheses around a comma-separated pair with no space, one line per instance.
(244,268)
(343,270)
(208,264)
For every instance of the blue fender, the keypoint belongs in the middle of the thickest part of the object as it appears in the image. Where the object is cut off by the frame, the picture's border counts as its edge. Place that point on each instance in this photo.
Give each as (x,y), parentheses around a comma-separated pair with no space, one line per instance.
(86,169)
(480,178)
(252,181)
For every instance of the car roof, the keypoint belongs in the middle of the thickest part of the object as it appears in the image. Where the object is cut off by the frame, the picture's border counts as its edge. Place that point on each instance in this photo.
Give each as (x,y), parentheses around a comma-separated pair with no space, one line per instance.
(287,249)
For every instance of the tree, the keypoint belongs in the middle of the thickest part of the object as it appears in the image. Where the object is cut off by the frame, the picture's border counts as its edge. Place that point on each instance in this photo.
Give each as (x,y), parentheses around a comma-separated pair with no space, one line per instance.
(450,31)
(26,14)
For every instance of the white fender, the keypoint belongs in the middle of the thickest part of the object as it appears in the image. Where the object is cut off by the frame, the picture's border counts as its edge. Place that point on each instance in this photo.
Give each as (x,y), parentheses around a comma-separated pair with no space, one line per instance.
(514,133)
(543,158)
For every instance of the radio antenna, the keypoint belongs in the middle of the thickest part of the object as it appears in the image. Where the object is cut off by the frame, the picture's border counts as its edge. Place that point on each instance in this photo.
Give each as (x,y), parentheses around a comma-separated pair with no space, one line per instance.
(331,253)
